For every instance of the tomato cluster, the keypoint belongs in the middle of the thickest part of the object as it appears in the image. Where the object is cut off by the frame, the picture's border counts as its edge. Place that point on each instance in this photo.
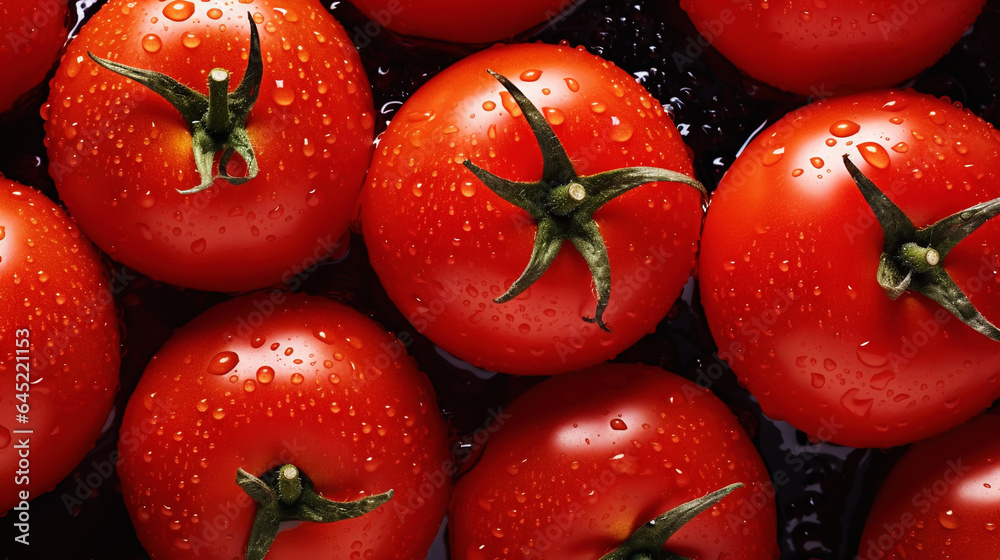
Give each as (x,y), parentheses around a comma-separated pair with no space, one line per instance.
(368,287)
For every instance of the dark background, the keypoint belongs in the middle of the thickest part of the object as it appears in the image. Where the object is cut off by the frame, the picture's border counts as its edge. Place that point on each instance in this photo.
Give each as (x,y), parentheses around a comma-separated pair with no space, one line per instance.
(820,511)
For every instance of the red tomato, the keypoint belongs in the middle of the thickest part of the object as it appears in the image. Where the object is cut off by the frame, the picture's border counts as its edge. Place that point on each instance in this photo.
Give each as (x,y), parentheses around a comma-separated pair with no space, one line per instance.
(816,47)
(790,259)
(59,334)
(585,459)
(32,32)
(273,379)
(120,154)
(941,499)
(445,245)
(459,20)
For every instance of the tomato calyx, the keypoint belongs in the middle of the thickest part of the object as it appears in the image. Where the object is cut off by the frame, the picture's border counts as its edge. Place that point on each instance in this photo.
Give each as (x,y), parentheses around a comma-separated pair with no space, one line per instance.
(647,542)
(563,204)
(218,120)
(287,494)
(913,259)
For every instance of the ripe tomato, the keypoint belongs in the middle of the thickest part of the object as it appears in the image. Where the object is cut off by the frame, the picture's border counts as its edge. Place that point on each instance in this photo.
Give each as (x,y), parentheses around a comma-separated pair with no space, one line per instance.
(815,47)
(272,379)
(941,499)
(446,246)
(59,339)
(120,154)
(587,458)
(791,257)
(32,35)
(459,20)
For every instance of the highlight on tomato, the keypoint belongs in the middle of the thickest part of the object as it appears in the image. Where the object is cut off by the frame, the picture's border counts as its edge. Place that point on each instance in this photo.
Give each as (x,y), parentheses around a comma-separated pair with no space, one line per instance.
(276,408)
(60,340)
(211,145)
(536,197)
(849,268)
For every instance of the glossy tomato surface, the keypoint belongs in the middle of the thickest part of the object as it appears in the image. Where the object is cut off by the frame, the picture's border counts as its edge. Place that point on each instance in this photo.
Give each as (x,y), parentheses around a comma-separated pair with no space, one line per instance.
(119,153)
(459,20)
(59,339)
(33,33)
(789,260)
(941,500)
(445,246)
(817,48)
(585,459)
(271,379)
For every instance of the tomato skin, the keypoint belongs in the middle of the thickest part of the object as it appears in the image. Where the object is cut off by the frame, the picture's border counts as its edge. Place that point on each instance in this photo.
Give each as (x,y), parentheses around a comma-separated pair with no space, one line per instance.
(941,499)
(789,260)
(444,245)
(556,465)
(342,402)
(119,155)
(461,21)
(816,49)
(57,309)
(33,33)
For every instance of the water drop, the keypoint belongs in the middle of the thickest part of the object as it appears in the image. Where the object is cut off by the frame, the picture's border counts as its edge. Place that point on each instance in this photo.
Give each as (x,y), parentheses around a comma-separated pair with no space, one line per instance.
(817,162)
(553,115)
(618,424)
(249,385)
(949,520)
(622,132)
(818,380)
(179,10)
(151,43)
(489,105)
(901,148)
(598,107)
(215,13)
(936,117)
(882,379)
(857,406)
(572,84)
(874,154)
(844,128)
(531,75)
(774,156)
(871,358)
(297,378)
(198,246)
(282,96)
(223,363)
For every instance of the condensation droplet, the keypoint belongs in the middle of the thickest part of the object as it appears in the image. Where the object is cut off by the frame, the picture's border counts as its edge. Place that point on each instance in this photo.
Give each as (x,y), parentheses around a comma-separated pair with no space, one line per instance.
(223,363)
(844,128)
(151,43)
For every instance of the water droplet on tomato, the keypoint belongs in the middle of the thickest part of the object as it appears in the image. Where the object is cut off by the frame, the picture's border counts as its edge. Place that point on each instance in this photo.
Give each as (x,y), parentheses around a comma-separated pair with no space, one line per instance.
(218,414)
(265,375)
(882,379)
(901,148)
(223,363)
(618,424)
(215,13)
(773,157)
(508,102)
(818,380)
(553,115)
(870,357)
(151,43)
(874,154)
(179,10)
(844,128)
(249,385)
(857,406)
(572,84)
(949,520)
(297,378)
(829,364)
(198,246)
(190,40)
(937,117)
(598,107)
(817,162)
(282,96)
(531,75)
